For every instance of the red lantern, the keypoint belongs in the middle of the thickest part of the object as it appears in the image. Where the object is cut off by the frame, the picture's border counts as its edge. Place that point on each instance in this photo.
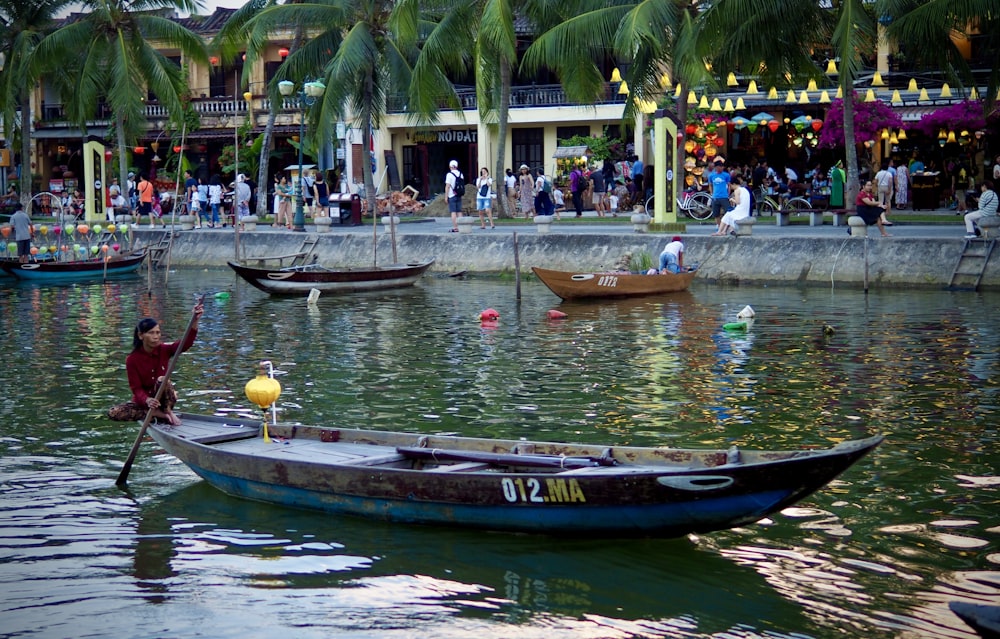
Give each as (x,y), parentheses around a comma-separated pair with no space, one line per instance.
(213,60)
(177,148)
(773,125)
(283,52)
(817,125)
(139,150)
(691,128)
(108,155)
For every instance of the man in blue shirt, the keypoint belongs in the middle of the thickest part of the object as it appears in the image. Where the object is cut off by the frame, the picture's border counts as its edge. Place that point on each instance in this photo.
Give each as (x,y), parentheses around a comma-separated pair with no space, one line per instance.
(637,176)
(719,180)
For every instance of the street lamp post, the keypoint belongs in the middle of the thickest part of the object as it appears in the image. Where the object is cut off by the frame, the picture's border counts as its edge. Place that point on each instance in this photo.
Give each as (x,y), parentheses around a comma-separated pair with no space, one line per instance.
(306,97)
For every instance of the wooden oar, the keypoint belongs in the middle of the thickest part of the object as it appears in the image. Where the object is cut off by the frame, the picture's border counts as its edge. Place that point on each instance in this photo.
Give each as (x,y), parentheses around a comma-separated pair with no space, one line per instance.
(127,466)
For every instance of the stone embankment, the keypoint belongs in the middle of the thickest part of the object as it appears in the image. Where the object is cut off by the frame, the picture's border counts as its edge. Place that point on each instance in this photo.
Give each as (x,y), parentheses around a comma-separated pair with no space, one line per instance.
(833,260)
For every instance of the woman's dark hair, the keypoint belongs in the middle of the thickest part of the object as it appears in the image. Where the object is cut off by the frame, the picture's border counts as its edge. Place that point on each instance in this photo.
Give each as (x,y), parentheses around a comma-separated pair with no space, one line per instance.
(144,326)
(988,184)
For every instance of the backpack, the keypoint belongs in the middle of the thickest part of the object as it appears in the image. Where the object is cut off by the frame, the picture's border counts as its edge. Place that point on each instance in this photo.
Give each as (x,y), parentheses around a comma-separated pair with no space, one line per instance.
(547,185)
(459,189)
(581,182)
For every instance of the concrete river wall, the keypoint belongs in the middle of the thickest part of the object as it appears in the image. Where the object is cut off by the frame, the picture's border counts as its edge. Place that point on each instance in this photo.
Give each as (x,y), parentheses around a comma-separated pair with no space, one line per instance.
(882,263)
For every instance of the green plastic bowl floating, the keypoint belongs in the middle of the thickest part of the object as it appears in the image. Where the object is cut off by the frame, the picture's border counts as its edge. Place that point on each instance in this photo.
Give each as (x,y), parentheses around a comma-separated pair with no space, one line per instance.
(735,326)
(222,295)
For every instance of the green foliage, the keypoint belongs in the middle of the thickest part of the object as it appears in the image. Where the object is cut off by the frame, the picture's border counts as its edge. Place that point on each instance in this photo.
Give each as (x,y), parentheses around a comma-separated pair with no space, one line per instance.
(603,148)
(640,262)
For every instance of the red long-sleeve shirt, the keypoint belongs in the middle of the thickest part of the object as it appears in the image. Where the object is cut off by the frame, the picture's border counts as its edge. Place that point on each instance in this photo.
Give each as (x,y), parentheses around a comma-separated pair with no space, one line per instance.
(144,368)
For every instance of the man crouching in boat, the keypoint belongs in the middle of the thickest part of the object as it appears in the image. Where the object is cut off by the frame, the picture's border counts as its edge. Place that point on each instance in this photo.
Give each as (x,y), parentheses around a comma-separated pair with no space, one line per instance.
(672,257)
(146,365)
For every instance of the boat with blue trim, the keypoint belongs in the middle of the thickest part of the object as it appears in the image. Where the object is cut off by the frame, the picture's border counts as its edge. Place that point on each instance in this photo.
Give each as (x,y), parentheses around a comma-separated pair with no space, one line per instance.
(504,485)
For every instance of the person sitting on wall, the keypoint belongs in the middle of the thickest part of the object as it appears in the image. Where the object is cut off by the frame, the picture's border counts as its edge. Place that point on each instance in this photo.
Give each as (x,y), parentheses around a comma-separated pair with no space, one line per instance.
(869,208)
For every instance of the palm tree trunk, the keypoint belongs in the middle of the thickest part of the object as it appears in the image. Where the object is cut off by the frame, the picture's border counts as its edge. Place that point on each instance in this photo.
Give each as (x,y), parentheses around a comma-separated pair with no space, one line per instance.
(265,156)
(851,187)
(366,114)
(122,161)
(26,154)
(502,125)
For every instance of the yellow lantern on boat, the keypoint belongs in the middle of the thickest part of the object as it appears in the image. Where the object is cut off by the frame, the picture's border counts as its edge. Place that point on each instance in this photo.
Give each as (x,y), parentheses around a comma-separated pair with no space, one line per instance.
(263,390)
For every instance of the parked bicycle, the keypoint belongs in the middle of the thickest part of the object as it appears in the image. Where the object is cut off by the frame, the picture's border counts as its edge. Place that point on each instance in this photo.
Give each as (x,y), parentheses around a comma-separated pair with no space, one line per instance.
(766,204)
(695,204)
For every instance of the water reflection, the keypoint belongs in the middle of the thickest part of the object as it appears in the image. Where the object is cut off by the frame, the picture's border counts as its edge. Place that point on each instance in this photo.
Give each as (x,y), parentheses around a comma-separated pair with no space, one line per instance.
(877,553)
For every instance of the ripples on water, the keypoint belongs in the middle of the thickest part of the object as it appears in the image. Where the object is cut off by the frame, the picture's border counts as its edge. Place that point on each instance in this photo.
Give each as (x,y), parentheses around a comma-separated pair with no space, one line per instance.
(880,552)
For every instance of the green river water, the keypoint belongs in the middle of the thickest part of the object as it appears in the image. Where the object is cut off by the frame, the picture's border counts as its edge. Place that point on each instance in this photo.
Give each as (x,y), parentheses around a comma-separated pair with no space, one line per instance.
(878,553)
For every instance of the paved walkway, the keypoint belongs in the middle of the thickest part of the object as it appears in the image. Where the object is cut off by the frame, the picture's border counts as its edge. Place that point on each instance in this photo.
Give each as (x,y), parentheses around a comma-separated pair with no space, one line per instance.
(952,226)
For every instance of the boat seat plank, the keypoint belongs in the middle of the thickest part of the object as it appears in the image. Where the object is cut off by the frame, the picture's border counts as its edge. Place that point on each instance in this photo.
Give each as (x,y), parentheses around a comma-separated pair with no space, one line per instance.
(221,438)
(465,467)
(378,460)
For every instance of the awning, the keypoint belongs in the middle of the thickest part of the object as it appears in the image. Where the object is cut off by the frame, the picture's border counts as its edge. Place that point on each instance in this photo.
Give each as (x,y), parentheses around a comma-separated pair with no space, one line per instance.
(570,152)
(914,113)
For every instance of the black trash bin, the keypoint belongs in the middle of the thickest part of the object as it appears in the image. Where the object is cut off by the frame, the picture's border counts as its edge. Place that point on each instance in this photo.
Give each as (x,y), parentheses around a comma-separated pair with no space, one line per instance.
(355,210)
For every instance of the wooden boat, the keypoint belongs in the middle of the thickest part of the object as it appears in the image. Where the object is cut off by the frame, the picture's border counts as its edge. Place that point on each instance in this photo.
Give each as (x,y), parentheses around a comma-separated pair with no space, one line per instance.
(538,487)
(983,618)
(300,279)
(94,269)
(569,285)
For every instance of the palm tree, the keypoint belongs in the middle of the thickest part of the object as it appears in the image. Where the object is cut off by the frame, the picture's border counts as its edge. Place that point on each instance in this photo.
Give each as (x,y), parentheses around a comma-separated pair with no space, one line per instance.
(230,40)
(116,49)
(925,28)
(364,51)
(486,30)
(23,24)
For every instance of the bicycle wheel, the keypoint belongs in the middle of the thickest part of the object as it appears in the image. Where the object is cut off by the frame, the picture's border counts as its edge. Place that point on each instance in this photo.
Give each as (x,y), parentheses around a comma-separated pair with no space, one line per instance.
(797,204)
(767,207)
(649,205)
(699,206)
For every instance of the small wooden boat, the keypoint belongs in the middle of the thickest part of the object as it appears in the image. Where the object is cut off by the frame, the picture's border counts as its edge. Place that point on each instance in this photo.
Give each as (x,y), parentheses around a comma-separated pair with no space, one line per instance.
(538,487)
(300,279)
(569,285)
(75,270)
(983,618)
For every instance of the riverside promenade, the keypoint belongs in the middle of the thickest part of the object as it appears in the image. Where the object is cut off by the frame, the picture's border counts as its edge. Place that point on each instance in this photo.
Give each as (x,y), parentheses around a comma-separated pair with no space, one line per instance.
(917,255)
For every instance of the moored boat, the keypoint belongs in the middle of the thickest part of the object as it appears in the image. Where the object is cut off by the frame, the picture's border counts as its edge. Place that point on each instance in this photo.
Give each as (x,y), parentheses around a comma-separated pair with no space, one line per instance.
(569,285)
(983,618)
(506,485)
(75,270)
(301,279)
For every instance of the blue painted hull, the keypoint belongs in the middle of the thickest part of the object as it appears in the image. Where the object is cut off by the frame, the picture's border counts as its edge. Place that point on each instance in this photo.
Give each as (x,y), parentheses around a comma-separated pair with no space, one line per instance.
(649,492)
(78,270)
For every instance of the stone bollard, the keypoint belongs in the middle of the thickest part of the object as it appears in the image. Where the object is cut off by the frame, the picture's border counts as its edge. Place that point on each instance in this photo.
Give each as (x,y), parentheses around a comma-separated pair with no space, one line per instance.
(123,219)
(388,221)
(988,225)
(543,223)
(465,223)
(323,224)
(745,226)
(640,222)
(186,221)
(249,222)
(857,226)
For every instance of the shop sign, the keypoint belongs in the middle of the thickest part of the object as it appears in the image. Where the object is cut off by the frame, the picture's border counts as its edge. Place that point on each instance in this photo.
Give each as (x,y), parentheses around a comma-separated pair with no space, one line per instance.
(469,136)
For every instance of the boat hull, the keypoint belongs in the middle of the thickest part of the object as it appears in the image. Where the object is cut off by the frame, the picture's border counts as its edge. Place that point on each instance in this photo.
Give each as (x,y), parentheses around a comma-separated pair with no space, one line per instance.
(569,285)
(75,270)
(300,281)
(423,479)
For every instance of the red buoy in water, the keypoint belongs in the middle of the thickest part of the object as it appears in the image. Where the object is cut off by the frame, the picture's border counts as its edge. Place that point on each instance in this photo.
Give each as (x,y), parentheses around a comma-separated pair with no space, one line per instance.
(554,314)
(490,315)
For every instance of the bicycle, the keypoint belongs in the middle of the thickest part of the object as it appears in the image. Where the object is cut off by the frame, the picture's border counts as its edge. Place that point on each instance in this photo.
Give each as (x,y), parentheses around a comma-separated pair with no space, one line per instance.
(696,204)
(768,205)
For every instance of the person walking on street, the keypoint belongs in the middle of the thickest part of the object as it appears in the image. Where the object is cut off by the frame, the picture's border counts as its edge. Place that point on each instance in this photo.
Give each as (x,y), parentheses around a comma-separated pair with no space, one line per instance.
(510,190)
(484,193)
(600,193)
(526,191)
(452,181)
(884,184)
(578,184)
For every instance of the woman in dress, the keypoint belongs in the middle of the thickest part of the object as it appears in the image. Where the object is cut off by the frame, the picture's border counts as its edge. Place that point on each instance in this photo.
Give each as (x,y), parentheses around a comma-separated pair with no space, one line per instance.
(902,185)
(740,199)
(526,191)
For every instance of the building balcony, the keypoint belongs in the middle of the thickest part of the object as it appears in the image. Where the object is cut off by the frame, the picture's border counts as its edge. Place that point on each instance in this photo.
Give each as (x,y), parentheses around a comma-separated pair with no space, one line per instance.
(521,97)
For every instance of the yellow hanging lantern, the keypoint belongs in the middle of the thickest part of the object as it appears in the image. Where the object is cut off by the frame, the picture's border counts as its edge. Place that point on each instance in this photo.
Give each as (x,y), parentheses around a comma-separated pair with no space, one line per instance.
(263,391)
